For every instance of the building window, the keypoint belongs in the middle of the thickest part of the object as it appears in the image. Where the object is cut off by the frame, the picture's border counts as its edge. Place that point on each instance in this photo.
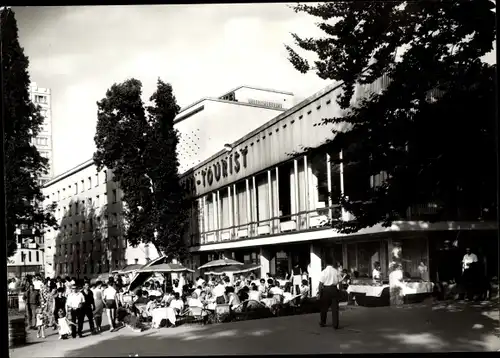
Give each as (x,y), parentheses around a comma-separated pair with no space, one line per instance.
(105,176)
(98,201)
(40,99)
(115,219)
(41,141)
(114,196)
(29,256)
(64,193)
(76,188)
(58,195)
(90,182)
(318,180)
(262,197)
(285,190)
(210,210)
(69,210)
(225,213)
(76,208)
(96,179)
(83,186)
(136,261)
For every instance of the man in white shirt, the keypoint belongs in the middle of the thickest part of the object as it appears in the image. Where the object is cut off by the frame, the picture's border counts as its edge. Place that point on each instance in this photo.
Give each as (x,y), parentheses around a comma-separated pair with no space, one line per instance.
(37,283)
(74,303)
(328,293)
(468,272)
(468,258)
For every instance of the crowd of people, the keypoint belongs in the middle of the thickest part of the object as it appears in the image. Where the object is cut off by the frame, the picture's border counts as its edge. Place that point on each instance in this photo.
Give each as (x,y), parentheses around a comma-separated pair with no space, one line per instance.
(162,305)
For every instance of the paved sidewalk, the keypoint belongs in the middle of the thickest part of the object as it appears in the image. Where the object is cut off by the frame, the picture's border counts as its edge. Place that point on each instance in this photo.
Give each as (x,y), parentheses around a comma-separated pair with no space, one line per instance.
(416,328)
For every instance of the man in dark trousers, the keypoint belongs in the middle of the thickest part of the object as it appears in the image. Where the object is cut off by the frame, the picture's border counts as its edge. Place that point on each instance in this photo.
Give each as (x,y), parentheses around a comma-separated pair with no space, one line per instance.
(329,293)
(74,304)
(32,299)
(87,309)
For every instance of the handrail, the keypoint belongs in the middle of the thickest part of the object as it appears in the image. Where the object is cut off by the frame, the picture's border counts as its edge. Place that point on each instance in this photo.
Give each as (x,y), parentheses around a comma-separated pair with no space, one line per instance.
(198,238)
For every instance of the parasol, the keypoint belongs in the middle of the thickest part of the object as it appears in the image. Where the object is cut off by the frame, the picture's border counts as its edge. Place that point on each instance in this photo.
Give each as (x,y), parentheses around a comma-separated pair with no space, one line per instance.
(233,269)
(165,268)
(220,263)
(128,269)
(141,277)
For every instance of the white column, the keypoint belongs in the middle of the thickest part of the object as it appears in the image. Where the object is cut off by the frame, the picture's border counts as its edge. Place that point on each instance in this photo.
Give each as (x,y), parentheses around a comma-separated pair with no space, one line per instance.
(214,202)
(231,213)
(219,216)
(329,183)
(264,262)
(345,215)
(236,211)
(296,186)
(249,207)
(306,192)
(277,202)
(254,201)
(315,268)
(204,213)
(270,196)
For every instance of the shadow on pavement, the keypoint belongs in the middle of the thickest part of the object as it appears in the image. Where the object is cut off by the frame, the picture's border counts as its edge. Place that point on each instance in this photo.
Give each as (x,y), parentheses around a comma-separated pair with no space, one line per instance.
(439,327)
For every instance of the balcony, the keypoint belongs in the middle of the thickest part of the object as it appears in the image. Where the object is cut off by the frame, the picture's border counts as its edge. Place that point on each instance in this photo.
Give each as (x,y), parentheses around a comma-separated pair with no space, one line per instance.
(302,221)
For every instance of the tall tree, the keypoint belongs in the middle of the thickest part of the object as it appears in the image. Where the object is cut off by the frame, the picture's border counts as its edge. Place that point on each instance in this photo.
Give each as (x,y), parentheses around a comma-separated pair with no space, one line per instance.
(139,146)
(431,129)
(22,123)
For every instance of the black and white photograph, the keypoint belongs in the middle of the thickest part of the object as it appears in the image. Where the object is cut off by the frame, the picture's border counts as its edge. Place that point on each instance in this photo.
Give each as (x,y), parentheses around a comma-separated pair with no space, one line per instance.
(250,178)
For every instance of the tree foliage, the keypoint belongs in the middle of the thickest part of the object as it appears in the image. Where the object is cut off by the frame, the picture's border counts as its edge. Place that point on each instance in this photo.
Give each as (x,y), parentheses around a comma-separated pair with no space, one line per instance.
(22,123)
(139,145)
(432,128)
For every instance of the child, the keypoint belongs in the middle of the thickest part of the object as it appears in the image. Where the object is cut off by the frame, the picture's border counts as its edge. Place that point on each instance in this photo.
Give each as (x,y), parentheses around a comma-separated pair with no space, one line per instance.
(40,324)
(63,324)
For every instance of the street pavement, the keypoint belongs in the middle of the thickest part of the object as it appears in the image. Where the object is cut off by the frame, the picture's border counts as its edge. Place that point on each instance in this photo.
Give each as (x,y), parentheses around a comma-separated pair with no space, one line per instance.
(428,327)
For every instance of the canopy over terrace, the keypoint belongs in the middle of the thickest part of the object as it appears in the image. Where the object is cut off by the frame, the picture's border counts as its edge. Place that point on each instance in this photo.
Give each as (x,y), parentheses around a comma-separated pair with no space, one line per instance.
(142,277)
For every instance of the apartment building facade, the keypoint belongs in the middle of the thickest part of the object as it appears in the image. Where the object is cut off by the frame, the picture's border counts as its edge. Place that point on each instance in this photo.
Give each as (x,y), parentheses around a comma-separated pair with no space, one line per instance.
(29,258)
(90,239)
(43,142)
(264,199)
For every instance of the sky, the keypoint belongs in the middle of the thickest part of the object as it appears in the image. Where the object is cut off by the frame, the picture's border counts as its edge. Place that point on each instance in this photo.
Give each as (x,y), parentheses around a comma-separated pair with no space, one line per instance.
(201,50)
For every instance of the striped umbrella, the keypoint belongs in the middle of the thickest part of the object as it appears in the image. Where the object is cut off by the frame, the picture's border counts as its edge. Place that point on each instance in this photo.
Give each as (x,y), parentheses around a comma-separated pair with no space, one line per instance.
(220,263)
(166,268)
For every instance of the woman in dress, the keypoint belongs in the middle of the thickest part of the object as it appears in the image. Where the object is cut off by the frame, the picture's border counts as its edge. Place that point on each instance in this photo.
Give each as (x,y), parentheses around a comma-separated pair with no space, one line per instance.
(52,288)
(98,304)
(45,298)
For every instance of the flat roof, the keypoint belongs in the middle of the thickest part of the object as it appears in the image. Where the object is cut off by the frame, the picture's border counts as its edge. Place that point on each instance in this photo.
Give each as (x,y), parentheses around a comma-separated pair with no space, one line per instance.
(276,119)
(258,89)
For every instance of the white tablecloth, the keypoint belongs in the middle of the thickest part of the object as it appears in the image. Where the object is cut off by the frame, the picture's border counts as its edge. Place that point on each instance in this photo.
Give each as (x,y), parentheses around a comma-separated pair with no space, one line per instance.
(371,291)
(412,288)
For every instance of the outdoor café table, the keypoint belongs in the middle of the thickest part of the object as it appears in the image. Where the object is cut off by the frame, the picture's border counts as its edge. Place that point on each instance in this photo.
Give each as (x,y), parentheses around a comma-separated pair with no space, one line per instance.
(414,288)
(370,291)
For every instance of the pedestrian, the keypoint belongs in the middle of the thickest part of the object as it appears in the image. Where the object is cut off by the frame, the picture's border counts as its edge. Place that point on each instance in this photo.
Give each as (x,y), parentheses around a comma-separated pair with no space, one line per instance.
(87,308)
(296,276)
(59,303)
(32,299)
(40,323)
(110,299)
(329,293)
(98,304)
(63,324)
(74,304)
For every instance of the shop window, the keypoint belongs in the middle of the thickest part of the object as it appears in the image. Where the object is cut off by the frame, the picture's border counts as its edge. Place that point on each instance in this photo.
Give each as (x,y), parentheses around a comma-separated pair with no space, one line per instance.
(262,197)
(281,264)
(240,200)
(352,262)
(225,212)
(247,259)
(368,254)
(285,178)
